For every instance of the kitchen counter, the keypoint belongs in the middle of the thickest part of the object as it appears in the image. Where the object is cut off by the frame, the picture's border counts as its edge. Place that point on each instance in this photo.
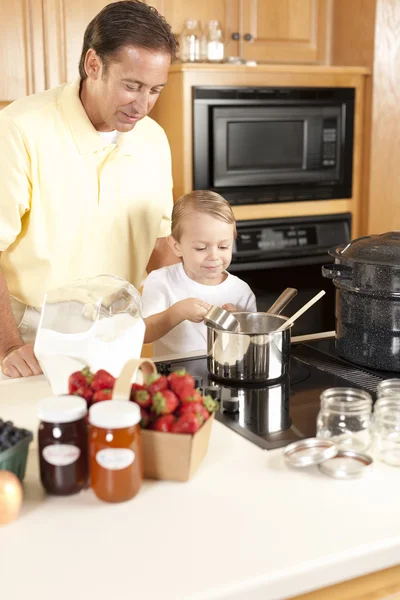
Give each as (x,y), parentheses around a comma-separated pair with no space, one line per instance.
(244,528)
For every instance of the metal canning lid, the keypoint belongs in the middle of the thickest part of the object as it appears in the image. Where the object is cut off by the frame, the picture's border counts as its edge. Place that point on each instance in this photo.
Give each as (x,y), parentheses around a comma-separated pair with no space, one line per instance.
(347,464)
(311,451)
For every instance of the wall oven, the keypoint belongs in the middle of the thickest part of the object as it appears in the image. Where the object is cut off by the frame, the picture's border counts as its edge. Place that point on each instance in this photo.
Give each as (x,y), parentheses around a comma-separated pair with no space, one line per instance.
(273,254)
(263,144)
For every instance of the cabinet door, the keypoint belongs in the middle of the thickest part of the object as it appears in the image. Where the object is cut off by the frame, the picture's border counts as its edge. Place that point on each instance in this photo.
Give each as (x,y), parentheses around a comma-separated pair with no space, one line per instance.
(293,31)
(21,49)
(225,11)
(65,22)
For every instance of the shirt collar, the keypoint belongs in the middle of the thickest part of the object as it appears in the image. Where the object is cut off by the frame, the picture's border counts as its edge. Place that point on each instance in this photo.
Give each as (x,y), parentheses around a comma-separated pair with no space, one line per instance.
(86,137)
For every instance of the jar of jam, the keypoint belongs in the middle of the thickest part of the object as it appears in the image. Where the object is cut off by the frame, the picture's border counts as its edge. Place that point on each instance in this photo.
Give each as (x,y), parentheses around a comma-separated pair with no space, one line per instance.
(115,450)
(63,444)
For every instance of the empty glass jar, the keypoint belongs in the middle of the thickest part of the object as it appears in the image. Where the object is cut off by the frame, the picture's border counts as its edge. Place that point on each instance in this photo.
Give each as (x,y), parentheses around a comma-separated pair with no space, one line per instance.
(386,431)
(388,387)
(190,41)
(345,418)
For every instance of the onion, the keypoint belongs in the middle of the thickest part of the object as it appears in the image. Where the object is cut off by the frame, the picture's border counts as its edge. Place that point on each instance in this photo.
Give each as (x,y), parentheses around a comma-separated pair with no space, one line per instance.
(10,497)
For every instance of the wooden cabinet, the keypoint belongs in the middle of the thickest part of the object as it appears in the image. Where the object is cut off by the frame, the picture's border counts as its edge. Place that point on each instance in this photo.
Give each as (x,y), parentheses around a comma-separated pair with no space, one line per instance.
(293,31)
(21,50)
(65,22)
(41,40)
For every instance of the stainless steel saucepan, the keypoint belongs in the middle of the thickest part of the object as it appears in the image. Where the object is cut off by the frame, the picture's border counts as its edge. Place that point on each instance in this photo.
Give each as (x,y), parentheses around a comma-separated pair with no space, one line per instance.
(255,353)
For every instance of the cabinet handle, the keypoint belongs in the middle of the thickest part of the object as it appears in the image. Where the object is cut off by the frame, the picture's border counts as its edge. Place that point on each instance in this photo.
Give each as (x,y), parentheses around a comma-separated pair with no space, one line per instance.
(236,36)
(248,37)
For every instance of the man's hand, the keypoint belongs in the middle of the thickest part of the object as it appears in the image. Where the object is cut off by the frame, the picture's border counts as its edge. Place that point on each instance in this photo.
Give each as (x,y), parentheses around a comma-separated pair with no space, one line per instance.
(193,309)
(230,307)
(20,362)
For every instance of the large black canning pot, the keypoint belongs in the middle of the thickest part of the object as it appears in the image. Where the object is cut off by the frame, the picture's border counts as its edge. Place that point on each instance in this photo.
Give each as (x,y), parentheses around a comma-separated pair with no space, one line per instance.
(366,274)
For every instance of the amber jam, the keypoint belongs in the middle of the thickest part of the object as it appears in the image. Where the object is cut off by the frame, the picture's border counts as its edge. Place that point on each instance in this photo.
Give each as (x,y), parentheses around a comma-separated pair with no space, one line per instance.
(115,450)
(63,445)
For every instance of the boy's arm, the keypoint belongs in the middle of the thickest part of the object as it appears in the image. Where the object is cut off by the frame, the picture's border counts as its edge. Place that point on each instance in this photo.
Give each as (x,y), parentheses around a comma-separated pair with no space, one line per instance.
(161,323)
(158,325)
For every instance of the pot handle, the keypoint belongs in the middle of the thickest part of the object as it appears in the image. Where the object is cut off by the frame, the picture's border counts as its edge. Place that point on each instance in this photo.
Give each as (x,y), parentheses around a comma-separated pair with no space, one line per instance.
(336,271)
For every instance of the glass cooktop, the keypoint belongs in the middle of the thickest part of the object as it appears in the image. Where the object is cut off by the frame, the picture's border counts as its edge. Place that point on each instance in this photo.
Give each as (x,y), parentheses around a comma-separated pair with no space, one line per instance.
(285,411)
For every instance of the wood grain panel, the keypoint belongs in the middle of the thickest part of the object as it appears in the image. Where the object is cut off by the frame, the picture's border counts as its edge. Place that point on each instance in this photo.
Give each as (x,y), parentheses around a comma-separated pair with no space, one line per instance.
(286,31)
(21,49)
(383,585)
(384,213)
(65,22)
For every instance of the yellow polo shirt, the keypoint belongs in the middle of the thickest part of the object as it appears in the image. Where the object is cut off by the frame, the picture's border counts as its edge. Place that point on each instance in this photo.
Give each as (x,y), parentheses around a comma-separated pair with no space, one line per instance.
(73,205)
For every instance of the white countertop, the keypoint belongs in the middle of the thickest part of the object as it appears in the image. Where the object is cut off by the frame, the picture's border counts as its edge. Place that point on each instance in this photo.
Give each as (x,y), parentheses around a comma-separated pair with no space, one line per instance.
(244,528)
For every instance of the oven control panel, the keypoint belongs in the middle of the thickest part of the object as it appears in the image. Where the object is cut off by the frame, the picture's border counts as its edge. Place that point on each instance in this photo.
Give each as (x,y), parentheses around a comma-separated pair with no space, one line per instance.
(263,239)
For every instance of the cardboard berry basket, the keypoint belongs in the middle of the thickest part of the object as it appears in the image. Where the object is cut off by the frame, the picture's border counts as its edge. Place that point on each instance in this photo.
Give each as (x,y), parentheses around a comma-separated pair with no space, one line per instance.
(170,456)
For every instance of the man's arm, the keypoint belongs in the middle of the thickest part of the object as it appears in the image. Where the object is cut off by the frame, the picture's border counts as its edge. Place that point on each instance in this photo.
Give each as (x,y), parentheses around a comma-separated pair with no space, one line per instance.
(16,358)
(9,334)
(162,255)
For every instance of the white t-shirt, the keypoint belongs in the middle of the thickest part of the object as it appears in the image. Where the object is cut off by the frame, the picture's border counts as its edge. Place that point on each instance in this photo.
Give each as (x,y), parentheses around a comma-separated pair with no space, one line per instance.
(111,137)
(164,287)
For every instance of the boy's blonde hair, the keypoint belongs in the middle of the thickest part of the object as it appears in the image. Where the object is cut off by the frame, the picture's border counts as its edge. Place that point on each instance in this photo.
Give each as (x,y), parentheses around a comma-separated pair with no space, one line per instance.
(202,201)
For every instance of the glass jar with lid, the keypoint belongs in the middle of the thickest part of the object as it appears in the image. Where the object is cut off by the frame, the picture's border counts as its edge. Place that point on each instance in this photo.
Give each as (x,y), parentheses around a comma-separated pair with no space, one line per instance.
(115,450)
(214,41)
(345,418)
(190,41)
(63,444)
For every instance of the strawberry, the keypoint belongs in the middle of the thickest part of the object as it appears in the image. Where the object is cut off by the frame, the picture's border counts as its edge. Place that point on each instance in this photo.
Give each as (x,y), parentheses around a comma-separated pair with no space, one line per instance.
(85,392)
(187,395)
(101,395)
(196,408)
(187,423)
(143,398)
(210,404)
(165,402)
(75,381)
(102,380)
(156,383)
(145,418)
(135,387)
(179,380)
(164,423)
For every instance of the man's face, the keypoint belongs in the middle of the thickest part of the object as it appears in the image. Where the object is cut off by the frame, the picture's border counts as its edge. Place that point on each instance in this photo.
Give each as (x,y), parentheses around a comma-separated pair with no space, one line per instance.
(127,90)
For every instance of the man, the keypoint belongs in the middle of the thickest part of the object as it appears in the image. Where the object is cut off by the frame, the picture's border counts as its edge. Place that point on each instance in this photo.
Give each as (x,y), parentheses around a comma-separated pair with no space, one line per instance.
(86,185)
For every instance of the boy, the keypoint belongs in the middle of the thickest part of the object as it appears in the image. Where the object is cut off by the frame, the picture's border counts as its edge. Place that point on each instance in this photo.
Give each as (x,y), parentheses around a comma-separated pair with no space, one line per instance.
(177,298)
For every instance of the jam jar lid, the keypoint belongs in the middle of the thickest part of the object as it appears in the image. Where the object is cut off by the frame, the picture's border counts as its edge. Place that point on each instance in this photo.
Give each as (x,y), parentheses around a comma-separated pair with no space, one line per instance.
(62,409)
(114,414)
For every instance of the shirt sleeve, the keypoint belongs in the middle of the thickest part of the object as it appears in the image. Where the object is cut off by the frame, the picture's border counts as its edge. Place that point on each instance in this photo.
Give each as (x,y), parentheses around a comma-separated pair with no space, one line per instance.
(251,305)
(15,192)
(165,224)
(154,294)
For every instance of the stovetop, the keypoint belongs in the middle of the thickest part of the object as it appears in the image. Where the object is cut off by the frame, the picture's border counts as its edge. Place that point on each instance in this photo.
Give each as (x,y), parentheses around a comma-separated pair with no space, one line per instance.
(275,415)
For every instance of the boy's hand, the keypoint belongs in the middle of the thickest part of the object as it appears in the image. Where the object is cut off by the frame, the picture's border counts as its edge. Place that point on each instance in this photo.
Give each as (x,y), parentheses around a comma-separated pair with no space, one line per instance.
(230,307)
(193,309)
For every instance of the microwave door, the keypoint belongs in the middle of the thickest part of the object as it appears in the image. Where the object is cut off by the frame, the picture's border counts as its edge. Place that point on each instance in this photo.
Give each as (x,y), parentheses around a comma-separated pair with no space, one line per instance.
(270,145)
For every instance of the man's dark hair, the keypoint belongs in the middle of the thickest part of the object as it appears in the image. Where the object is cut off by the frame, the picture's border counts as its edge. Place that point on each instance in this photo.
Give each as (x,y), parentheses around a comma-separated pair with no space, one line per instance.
(126,23)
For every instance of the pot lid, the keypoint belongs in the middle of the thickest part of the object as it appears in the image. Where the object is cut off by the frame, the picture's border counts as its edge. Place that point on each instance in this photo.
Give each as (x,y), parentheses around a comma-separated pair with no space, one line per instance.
(381,249)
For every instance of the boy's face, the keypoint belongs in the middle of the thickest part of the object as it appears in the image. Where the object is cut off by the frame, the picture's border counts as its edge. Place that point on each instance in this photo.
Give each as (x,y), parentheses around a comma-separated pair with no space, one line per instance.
(205,247)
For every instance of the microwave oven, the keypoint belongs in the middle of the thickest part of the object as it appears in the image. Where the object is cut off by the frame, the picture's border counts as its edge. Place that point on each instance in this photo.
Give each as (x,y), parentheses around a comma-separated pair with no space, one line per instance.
(269,144)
